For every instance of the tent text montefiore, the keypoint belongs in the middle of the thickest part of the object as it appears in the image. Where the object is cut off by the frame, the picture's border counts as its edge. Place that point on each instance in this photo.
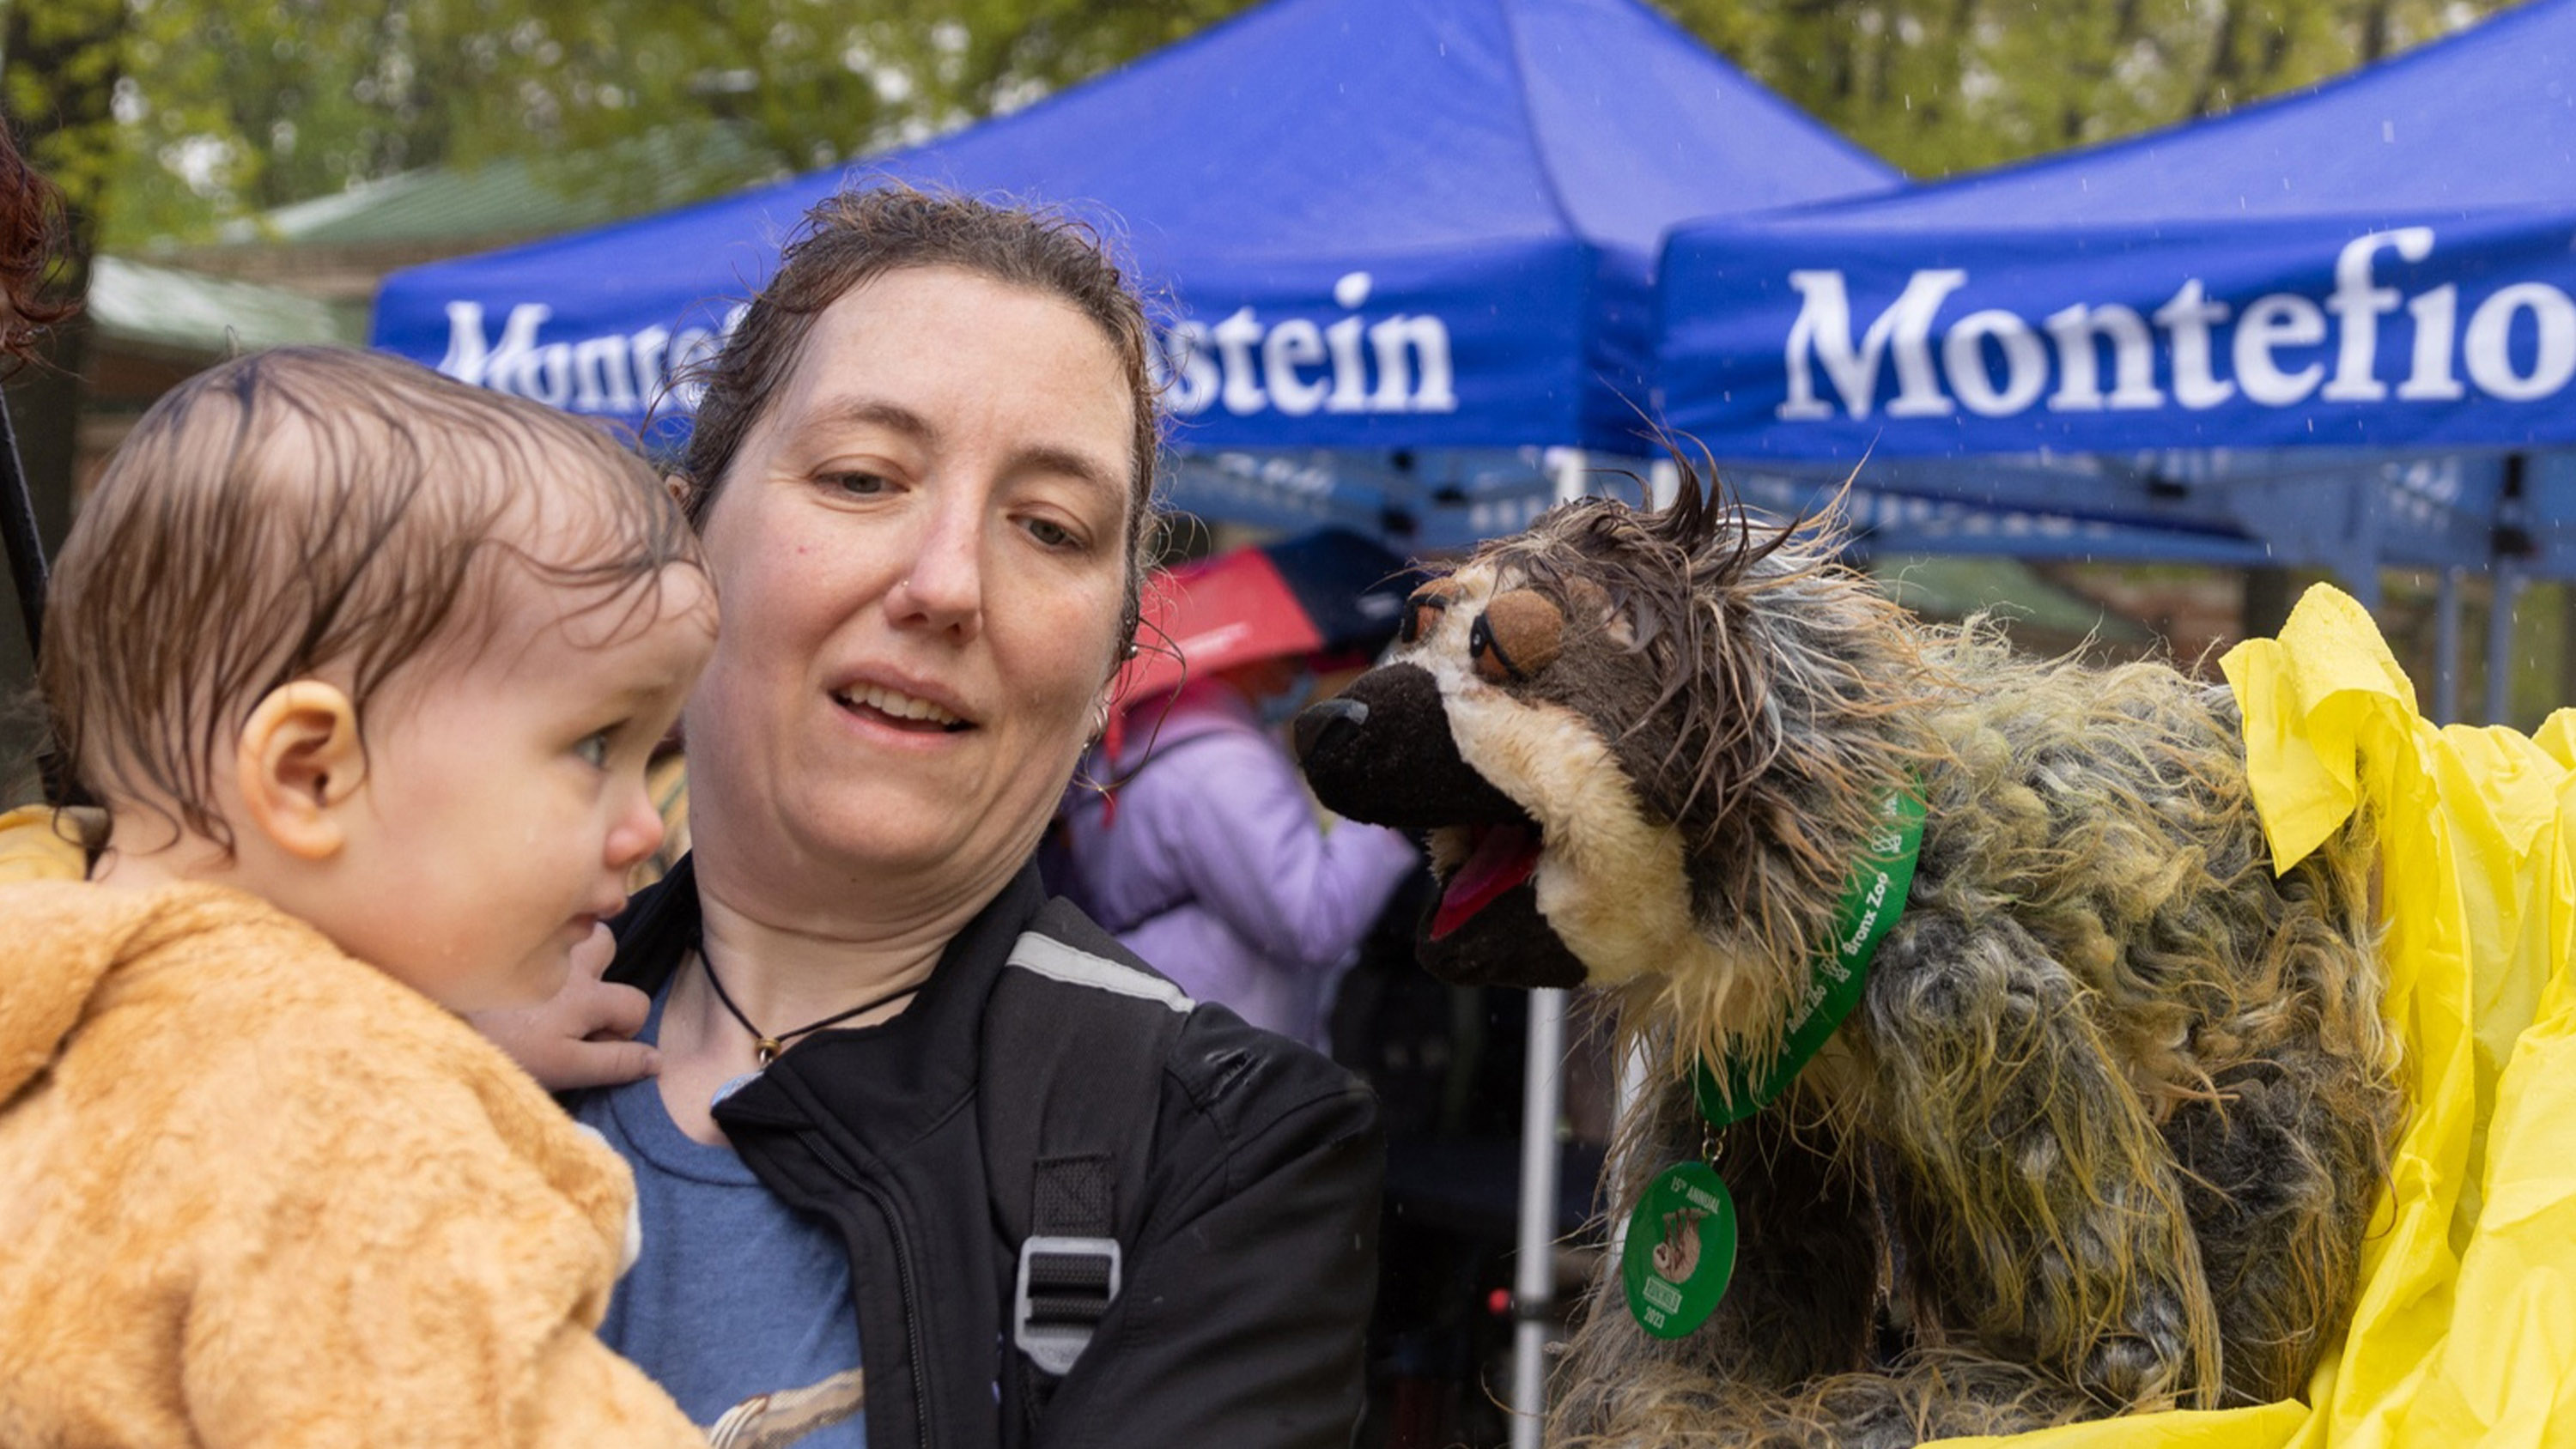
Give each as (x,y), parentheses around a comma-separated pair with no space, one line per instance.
(2280,350)
(1297,366)
(1398,364)
(613,374)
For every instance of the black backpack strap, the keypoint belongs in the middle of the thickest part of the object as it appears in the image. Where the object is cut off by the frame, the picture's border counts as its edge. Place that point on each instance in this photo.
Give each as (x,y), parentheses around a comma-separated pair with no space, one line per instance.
(1070,1264)
(1075,1038)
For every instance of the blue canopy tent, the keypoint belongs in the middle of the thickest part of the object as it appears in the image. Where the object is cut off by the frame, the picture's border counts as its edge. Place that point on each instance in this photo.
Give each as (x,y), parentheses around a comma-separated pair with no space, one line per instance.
(1383,226)
(2309,331)
(1408,244)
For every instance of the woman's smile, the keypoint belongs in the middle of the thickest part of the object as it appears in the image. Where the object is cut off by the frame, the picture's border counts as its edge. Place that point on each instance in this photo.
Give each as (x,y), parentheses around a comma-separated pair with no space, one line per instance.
(913,711)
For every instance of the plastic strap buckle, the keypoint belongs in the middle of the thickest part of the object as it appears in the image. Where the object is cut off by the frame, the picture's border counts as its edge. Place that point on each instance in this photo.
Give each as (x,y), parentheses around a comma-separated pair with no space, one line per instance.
(1065,1286)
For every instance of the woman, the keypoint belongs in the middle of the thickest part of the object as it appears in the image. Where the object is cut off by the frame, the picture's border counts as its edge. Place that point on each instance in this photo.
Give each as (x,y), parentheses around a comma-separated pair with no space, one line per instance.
(922,468)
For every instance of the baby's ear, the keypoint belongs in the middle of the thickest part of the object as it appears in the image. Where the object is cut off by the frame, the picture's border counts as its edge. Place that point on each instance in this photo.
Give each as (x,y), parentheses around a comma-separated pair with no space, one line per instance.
(299,760)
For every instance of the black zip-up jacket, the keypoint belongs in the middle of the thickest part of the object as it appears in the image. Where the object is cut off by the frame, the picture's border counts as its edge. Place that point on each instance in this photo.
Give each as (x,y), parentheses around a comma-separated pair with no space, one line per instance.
(1248,1280)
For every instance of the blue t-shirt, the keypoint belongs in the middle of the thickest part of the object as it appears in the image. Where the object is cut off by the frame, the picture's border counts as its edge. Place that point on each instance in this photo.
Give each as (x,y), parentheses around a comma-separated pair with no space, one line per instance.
(736,1296)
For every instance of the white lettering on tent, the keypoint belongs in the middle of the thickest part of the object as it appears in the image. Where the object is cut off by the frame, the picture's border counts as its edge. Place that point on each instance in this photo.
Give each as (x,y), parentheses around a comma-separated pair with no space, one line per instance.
(2485,344)
(2360,304)
(1427,340)
(2280,351)
(1185,368)
(547,376)
(1396,364)
(1290,345)
(2133,359)
(474,358)
(612,374)
(1963,353)
(2187,318)
(2270,323)
(603,376)
(2437,322)
(1350,370)
(1823,332)
(1236,336)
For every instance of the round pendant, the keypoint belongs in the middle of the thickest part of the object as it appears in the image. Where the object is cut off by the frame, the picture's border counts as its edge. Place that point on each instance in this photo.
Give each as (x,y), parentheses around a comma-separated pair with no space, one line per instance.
(1680,1251)
(766,1050)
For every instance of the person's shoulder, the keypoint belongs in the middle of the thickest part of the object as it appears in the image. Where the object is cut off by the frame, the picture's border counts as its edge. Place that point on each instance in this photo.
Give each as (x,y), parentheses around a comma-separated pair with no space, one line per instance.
(1215,1065)
(235,974)
(287,1072)
(295,1038)
(1200,728)
(279,991)
(1083,963)
(41,843)
(1245,1081)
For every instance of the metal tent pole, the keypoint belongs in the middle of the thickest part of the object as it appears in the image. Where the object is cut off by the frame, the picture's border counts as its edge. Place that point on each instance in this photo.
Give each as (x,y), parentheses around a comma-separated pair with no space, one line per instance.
(2500,609)
(18,531)
(1534,1260)
(2446,649)
(1542,1101)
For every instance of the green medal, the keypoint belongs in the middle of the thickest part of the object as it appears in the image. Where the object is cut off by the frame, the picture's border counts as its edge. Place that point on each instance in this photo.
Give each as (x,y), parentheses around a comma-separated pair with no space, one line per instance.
(1668,1306)
(1680,1251)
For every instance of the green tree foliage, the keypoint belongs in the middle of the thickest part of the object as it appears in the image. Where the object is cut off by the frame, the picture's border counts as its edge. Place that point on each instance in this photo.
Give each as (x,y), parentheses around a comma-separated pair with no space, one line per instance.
(223,108)
(217,109)
(64,59)
(1941,86)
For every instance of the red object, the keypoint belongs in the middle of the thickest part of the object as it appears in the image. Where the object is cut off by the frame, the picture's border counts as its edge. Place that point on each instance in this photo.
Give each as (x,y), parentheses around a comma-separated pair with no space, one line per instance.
(1499,1302)
(1215,614)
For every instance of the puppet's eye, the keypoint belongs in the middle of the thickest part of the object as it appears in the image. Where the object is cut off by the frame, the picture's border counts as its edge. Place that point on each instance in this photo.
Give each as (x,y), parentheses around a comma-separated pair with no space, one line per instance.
(1422,611)
(1519,634)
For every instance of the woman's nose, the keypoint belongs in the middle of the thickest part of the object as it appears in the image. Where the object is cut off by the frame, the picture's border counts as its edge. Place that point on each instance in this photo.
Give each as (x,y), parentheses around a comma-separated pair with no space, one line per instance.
(944,587)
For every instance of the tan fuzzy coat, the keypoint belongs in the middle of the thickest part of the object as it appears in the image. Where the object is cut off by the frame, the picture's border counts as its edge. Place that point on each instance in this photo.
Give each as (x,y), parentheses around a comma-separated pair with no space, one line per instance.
(255,1192)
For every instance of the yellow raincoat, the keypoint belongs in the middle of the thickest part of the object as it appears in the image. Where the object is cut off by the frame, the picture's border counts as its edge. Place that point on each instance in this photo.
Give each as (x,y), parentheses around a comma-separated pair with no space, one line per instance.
(2464,1330)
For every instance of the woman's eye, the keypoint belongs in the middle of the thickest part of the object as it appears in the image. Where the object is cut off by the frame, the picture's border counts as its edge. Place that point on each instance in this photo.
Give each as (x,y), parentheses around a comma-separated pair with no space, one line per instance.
(1051,533)
(859,485)
(594,750)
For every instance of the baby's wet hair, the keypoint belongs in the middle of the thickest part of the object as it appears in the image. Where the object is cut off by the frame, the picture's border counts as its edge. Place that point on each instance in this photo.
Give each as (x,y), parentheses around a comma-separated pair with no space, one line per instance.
(318,511)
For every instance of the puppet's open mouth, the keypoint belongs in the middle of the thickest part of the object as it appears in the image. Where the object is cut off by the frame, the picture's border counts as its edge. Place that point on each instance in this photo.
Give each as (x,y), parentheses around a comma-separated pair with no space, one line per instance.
(1498,858)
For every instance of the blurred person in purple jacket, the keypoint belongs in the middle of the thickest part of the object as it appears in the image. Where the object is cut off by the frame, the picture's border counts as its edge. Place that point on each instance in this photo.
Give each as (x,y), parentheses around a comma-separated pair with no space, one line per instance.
(1211,861)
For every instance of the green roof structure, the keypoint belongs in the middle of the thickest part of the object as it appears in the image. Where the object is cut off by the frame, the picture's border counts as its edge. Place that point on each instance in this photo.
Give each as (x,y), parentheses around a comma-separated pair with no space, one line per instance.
(167,310)
(510,197)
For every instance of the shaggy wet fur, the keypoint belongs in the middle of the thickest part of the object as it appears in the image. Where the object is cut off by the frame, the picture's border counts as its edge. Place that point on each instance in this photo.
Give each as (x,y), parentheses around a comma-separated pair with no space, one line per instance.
(2105,1130)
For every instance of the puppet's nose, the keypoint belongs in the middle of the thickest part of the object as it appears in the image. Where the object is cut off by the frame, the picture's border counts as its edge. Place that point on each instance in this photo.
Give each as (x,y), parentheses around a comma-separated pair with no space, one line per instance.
(1382,751)
(1318,726)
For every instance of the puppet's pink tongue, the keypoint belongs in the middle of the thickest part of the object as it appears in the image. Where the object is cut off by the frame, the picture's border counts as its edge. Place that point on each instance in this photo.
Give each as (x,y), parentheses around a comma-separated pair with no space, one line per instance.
(1503,857)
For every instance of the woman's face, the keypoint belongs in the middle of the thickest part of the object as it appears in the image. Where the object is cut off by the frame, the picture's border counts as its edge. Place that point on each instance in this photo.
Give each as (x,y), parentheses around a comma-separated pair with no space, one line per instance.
(921,548)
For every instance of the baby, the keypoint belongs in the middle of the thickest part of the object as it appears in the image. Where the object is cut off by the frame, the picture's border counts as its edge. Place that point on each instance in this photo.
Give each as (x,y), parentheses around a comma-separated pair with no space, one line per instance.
(365,667)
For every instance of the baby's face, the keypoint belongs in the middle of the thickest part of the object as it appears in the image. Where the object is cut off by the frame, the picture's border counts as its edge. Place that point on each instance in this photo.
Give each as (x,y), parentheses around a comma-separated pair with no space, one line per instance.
(505,800)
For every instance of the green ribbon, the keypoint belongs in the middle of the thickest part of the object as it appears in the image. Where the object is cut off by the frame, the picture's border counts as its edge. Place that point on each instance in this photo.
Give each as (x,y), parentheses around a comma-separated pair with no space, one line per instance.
(1873,898)
(1680,1246)
(1680,1252)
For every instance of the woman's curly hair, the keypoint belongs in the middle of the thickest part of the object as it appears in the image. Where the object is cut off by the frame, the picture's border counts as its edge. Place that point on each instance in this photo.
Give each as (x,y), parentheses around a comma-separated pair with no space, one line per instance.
(31,229)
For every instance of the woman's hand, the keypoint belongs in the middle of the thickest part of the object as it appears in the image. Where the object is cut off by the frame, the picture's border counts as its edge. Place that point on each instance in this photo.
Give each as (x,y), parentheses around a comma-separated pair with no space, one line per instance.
(582,1036)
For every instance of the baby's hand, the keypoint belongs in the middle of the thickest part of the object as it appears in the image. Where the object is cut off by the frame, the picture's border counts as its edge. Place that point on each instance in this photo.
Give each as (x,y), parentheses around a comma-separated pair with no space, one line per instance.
(581,1037)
